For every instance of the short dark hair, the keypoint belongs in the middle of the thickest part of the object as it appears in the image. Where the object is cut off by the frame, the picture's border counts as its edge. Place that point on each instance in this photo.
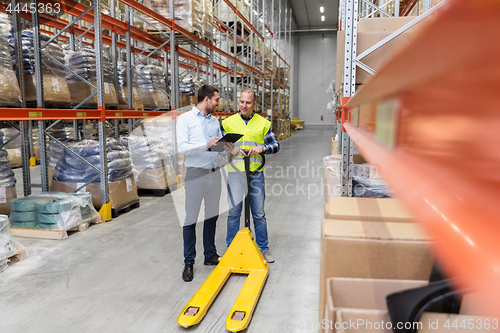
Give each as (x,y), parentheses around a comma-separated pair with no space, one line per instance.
(206,90)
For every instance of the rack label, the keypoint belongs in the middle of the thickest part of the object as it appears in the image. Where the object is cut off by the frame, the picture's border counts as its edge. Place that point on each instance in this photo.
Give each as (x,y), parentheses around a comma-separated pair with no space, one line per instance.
(128,181)
(81,114)
(35,114)
(118,114)
(145,114)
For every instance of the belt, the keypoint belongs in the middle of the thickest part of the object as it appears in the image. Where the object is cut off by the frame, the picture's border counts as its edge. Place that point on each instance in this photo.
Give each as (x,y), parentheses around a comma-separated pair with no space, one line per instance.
(205,170)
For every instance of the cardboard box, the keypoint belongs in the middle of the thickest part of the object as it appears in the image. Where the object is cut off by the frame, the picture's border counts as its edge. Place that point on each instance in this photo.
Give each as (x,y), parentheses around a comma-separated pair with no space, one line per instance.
(15,156)
(383,23)
(159,178)
(368,294)
(6,195)
(121,192)
(372,250)
(367,209)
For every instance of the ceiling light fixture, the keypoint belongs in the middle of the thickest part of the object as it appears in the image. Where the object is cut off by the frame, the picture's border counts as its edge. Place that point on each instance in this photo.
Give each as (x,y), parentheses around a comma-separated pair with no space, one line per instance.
(322,18)
(322,9)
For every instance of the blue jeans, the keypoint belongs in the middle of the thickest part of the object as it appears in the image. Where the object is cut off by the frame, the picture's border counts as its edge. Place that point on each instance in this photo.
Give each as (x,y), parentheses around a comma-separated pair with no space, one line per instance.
(201,185)
(236,194)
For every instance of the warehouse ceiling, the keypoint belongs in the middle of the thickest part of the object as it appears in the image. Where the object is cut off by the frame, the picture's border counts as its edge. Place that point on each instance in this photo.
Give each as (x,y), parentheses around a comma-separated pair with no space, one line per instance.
(308,16)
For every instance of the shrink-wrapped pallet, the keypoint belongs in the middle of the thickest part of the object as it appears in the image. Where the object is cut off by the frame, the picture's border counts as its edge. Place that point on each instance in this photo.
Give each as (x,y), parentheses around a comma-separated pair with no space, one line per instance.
(72,172)
(9,246)
(53,211)
(10,94)
(83,63)
(152,162)
(55,88)
(7,183)
(152,86)
(188,14)
(123,88)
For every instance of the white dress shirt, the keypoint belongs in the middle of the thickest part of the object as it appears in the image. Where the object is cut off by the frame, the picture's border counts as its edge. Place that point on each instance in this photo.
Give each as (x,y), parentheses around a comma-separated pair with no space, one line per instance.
(193,131)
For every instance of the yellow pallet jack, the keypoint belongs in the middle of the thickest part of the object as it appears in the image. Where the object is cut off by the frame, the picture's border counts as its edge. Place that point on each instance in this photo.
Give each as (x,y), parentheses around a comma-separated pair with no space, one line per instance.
(242,256)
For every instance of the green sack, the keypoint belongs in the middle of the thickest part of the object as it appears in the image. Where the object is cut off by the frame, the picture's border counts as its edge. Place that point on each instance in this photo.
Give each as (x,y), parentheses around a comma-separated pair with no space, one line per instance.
(28,204)
(29,216)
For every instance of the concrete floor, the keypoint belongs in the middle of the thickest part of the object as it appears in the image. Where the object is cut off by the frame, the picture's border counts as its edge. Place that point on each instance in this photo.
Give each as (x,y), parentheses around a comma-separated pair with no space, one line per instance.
(125,275)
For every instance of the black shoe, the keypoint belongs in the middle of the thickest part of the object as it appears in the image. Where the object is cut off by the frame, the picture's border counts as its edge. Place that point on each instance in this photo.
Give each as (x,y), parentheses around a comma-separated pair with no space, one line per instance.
(212,261)
(187,273)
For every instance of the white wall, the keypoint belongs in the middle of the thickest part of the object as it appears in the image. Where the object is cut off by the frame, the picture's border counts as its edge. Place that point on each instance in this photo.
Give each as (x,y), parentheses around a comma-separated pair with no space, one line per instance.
(316,70)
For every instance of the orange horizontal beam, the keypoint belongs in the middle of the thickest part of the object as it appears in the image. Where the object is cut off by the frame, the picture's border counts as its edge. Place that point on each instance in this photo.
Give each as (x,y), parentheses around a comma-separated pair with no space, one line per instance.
(441,120)
(46,114)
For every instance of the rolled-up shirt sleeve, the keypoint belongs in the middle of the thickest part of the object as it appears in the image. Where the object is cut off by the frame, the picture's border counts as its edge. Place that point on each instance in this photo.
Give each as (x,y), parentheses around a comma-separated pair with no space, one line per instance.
(271,146)
(183,145)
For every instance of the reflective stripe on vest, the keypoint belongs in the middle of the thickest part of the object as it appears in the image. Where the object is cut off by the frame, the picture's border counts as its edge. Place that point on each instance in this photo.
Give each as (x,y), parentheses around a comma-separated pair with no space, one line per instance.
(253,135)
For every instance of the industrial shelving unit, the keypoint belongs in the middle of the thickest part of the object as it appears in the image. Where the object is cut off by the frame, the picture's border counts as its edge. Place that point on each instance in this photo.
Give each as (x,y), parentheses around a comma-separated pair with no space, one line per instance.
(85,23)
(431,129)
(349,14)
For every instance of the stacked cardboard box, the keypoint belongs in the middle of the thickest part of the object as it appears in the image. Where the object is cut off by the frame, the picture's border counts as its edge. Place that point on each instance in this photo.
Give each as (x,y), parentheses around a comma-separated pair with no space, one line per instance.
(369,32)
(371,250)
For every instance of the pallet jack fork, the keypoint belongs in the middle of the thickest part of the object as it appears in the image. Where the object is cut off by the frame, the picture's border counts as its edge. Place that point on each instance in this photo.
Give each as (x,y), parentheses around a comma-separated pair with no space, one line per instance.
(242,256)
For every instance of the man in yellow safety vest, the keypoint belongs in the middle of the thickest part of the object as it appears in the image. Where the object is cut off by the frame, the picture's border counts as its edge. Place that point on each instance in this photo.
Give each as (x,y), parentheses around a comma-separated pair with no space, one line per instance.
(258,137)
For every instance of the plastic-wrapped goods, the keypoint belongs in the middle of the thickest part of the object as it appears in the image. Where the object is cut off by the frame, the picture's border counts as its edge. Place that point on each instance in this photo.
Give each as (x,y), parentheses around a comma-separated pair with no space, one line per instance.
(364,187)
(208,18)
(159,128)
(151,161)
(9,246)
(71,172)
(71,169)
(5,23)
(10,94)
(7,183)
(226,14)
(83,63)
(188,14)
(55,88)
(123,88)
(53,211)
(151,78)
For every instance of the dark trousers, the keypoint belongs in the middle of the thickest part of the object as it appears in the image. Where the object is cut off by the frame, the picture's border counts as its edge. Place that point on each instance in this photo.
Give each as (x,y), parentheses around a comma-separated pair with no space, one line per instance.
(201,186)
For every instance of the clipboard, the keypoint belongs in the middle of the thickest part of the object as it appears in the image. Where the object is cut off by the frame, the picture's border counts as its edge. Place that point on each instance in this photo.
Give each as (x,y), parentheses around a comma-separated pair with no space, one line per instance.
(229,137)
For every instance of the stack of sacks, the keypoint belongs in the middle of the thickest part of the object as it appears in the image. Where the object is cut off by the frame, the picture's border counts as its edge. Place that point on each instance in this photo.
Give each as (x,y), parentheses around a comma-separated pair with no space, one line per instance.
(151,161)
(54,154)
(123,88)
(10,94)
(53,211)
(83,63)
(188,89)
(72,172)
(7,183)
(188,14)
(55,89)
(151,81)
(159,128)
(13,147)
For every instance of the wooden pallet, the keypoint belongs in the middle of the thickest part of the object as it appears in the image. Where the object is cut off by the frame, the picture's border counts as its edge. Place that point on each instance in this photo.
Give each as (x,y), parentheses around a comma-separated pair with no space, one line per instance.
(47,233)
(20,253)
(115,212)
(156,192)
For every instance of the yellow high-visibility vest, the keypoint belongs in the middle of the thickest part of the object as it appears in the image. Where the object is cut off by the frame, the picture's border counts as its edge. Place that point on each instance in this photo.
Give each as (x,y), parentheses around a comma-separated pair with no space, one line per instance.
(253,135)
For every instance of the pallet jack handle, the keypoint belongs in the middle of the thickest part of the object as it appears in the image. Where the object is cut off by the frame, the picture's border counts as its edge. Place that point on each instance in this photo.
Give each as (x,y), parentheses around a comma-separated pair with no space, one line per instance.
(247,175)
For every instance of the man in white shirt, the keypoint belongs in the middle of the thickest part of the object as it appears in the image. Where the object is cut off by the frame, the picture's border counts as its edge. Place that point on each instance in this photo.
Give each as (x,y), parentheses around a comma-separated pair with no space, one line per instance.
(197,131)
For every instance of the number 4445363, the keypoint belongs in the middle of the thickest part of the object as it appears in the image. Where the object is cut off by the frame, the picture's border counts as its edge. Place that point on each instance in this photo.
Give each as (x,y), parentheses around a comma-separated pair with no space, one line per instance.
(31,8)
(472,324)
